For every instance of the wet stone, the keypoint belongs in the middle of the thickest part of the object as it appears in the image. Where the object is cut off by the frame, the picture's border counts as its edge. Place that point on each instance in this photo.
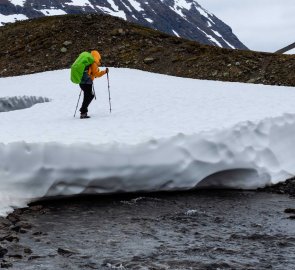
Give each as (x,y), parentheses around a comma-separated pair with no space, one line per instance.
(18,212)
(66,252)
(3,251)
(13,218)
(15,228)
(16,256)
(6,265)
(35,257)
(27,250)
(37,233)
(10,237)
(290,211)
(15,250)
(4,223)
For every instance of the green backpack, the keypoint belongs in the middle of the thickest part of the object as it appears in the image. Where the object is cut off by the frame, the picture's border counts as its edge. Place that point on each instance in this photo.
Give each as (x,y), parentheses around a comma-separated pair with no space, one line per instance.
(77,69)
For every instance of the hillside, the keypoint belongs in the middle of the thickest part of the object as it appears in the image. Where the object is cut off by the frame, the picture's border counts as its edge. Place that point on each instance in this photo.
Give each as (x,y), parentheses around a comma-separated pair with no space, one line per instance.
(51,43)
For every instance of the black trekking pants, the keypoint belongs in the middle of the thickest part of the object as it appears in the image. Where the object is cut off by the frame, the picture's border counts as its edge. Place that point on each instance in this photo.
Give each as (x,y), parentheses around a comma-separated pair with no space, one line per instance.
(88,96)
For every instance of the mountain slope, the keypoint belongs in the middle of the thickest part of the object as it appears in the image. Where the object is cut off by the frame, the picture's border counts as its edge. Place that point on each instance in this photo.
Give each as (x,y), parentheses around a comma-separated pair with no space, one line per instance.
(52,43)
(185,18)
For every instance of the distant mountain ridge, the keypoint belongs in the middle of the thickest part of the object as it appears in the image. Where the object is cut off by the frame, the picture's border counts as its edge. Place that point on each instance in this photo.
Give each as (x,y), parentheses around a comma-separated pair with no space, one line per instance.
(184,18)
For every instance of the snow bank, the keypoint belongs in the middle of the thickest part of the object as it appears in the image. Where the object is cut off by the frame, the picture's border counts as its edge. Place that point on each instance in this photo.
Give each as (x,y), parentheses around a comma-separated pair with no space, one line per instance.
(165,133)
(18,103)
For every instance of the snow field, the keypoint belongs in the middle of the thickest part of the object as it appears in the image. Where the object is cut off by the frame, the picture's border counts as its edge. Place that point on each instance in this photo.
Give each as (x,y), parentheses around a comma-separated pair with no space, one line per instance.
(165,133)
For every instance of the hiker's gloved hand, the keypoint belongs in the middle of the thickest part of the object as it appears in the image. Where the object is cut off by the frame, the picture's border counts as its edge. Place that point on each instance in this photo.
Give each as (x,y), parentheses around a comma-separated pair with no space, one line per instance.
(107,70)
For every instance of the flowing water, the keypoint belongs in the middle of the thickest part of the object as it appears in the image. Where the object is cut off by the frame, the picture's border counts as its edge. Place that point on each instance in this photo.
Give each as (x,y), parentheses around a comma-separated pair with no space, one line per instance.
(195,230)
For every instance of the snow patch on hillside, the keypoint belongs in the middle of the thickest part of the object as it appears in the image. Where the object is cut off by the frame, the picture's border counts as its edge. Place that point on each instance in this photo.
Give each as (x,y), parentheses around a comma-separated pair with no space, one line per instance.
(114,10)
(52,12)
(11,18)
(219,35)
(136,5)
(80,3)
(203,12)
(180,5)
(211,38)
(175,33)
(18,2)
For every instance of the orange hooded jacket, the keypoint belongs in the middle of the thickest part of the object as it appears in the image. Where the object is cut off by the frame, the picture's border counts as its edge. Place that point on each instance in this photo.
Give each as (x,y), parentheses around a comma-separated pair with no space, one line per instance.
(93,70)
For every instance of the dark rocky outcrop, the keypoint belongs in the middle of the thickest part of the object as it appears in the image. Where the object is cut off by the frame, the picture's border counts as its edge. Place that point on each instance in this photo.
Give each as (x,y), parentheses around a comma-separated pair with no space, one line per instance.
(285,187)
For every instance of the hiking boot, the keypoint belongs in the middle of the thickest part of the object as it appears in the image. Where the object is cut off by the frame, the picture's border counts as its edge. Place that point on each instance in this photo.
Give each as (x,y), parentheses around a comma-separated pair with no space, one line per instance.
(84,116)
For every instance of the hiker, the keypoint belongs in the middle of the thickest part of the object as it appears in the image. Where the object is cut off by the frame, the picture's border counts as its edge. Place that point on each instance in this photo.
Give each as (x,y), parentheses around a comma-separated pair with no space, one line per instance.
(90,73)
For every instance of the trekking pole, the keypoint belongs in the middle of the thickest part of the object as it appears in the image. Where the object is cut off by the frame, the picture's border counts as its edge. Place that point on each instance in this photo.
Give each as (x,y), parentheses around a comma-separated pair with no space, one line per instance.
(77,104)
(93,91)
(109,93)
